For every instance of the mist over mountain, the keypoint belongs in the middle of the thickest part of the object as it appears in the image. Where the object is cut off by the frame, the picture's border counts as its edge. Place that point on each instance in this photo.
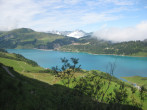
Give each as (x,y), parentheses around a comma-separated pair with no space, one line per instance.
(75,34)
(139,32)
(65,33)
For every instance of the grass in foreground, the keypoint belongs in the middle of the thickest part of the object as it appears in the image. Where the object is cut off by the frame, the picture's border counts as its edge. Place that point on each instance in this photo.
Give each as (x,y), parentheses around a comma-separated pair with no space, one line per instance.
(30,94)
(20,66)
(35,72)
(141,81)
(34,88)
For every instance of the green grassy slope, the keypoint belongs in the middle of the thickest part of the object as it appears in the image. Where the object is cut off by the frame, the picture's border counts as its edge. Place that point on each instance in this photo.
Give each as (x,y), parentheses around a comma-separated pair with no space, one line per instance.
(141,81)
(26,69)
(19,63)
(23,93)
(29,94)
(26,38)
(115,84)
(38,87)
(20,66)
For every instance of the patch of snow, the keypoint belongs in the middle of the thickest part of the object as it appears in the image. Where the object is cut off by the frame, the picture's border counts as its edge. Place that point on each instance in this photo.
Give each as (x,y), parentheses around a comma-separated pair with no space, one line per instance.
(77,34)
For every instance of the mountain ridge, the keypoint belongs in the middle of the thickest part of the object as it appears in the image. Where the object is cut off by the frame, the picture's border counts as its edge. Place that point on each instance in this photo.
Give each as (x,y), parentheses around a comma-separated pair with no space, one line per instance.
(76,33)
(28,38)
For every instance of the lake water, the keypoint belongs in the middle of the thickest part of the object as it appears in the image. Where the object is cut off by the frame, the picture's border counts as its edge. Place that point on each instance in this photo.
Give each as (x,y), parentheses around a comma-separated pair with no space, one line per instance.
(125,66)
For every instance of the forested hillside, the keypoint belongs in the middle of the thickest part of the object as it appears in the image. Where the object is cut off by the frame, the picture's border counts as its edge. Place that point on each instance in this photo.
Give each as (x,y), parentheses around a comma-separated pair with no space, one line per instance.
(28,38)
(96,46)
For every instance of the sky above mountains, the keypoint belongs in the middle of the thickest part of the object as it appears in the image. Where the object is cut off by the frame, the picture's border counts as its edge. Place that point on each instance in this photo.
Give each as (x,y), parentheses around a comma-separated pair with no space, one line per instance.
(104,17)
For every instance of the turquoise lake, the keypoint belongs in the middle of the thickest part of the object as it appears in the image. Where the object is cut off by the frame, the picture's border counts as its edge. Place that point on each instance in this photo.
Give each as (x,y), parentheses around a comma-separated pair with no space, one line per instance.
(125,66)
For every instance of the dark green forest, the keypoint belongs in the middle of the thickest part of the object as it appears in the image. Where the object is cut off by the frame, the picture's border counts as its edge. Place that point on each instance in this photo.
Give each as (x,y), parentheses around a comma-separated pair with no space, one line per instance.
(97,46)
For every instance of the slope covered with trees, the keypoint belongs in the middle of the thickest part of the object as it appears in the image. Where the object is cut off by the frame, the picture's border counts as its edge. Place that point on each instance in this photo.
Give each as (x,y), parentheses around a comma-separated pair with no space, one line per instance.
(28,38)
(95,46)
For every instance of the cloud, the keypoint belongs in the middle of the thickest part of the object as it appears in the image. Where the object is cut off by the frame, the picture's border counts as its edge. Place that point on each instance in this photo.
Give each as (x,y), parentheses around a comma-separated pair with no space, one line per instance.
(17,13)
(116,2)
(139,32)
(94,17)
(73,2)
(48,14)
(122,2)
(45,15)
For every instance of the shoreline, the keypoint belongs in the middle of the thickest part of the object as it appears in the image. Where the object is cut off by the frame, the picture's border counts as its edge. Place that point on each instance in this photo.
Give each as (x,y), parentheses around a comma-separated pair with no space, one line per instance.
(44,49)
(71,52)
(100,54)
(88,53)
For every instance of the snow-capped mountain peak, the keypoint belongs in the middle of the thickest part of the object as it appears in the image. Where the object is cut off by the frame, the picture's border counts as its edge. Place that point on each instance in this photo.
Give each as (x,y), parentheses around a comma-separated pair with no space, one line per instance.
(77,34)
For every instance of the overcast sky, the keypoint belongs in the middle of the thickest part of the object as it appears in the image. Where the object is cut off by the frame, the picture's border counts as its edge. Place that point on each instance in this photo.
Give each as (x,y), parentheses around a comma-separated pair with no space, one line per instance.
(104,17)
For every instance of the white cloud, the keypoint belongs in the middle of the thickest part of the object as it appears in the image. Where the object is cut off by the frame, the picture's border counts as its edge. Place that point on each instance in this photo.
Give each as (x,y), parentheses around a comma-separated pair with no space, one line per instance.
(73,2)
(47,15)
(17,13)
(115,2)
(105,3)
(44,15)
(122,2)
(139,32)
(94,18)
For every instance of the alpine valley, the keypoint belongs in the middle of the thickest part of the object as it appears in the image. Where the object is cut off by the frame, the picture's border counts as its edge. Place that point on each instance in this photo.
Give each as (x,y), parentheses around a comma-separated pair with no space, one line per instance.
(27,85)
(73,55)
(74,41)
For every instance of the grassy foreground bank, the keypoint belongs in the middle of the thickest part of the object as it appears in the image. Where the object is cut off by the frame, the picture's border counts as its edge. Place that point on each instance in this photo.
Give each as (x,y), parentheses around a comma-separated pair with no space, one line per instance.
(37,88)
(141,81)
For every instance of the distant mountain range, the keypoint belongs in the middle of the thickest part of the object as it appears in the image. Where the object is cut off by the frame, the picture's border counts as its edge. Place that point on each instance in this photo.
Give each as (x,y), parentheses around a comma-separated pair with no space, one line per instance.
(28,38)
(75,41)
(75,34)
